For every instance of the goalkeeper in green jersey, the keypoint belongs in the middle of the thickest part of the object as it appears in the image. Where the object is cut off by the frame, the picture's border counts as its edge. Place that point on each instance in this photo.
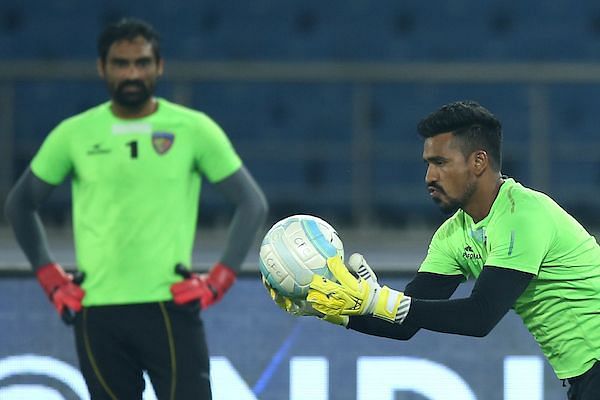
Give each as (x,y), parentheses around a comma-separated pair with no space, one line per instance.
(137,163)
(523,249)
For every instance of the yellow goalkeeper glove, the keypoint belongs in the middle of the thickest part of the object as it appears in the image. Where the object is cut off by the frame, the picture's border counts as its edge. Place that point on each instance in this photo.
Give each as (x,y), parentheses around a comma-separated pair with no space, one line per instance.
(356,296)
(299,307)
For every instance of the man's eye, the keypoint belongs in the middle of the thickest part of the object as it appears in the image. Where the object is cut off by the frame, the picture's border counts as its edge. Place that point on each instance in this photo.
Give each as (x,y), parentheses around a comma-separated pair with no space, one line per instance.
(143,63)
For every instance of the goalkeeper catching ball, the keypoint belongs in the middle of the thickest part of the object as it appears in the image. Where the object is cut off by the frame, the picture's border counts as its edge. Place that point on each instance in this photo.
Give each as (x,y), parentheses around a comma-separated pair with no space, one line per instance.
(523,249)
(137,163)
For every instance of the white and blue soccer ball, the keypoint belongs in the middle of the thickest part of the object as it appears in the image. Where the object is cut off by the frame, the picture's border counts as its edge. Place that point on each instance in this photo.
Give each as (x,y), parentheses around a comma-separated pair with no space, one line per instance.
(296,248)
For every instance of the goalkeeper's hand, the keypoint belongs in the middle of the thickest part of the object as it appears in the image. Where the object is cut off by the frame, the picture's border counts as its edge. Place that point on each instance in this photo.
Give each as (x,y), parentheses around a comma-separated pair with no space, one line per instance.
(62,289)
(207,289)
(356,296)
(300,307)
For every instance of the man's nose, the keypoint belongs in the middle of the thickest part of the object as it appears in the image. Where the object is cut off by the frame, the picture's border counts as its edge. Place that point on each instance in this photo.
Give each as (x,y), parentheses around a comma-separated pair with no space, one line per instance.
(133,72)
(430,175)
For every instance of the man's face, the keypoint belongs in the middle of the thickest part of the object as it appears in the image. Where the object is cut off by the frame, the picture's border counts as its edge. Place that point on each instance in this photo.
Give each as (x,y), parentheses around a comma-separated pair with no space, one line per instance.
(130,71)
(450,181)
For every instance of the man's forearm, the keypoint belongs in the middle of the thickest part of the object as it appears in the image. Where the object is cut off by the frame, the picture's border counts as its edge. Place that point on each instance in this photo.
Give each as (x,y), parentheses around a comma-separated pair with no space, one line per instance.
(250,213)
(378,327)
(494,294)
(21,212)
(245,224)
(423,286)
(30,234)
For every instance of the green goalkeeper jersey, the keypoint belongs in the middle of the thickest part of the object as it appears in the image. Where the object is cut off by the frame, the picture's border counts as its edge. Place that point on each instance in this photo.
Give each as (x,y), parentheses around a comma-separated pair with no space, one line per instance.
(135,187)
(527,231)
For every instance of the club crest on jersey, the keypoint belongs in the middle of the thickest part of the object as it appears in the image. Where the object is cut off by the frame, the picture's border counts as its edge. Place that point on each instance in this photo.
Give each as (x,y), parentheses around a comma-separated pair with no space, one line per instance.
(162,141)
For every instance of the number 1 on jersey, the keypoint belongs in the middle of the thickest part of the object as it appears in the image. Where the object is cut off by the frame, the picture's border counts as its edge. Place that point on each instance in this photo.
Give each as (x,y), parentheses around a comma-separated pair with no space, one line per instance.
(133,148)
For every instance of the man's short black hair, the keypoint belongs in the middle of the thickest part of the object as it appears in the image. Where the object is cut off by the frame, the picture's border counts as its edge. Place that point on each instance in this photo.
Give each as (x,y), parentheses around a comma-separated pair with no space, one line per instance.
(475,125)
(128,29)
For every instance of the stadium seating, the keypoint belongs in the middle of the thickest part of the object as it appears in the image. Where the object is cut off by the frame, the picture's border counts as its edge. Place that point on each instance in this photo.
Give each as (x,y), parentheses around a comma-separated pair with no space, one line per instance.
(313,30)
(300,139)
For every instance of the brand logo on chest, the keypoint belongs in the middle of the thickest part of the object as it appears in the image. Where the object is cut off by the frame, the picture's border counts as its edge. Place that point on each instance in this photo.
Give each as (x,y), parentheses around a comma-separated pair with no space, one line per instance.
(469,254)
(97,149)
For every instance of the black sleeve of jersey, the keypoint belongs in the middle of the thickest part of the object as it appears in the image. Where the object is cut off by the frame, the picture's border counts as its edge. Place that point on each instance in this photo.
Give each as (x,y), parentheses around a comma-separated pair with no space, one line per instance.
(21,207)
(494,293)
(425,285)
(250,213)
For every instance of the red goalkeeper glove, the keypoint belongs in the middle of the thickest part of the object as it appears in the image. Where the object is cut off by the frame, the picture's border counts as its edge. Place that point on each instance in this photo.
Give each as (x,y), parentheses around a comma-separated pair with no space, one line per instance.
(207,288)
(62,290)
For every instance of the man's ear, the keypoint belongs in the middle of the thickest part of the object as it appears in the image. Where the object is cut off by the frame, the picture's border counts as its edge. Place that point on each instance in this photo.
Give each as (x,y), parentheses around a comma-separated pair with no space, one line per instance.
(100,67)
(161,66)
(480,161)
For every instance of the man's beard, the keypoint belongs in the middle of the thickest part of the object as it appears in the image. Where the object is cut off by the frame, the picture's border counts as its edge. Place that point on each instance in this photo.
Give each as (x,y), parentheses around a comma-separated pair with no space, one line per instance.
(452,205)
(449,207)
(132,99)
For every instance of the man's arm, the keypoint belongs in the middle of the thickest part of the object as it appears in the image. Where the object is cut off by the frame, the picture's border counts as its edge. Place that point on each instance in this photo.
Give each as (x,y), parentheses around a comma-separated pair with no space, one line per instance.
(425,285)
(250,212)
(494,293)
(21,209)
(22,205)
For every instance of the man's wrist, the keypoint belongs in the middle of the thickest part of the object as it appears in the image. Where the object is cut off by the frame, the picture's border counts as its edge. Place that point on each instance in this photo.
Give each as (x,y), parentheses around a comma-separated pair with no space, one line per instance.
(391,305)
(46,269)
(51,276)
(221,276)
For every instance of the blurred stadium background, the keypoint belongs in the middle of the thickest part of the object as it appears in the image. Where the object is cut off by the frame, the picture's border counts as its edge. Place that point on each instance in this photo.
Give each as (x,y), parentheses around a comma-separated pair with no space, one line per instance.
(321,99)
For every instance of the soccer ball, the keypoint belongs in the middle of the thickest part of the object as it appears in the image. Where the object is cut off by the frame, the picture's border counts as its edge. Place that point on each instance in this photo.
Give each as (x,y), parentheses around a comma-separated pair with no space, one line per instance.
(295,249)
